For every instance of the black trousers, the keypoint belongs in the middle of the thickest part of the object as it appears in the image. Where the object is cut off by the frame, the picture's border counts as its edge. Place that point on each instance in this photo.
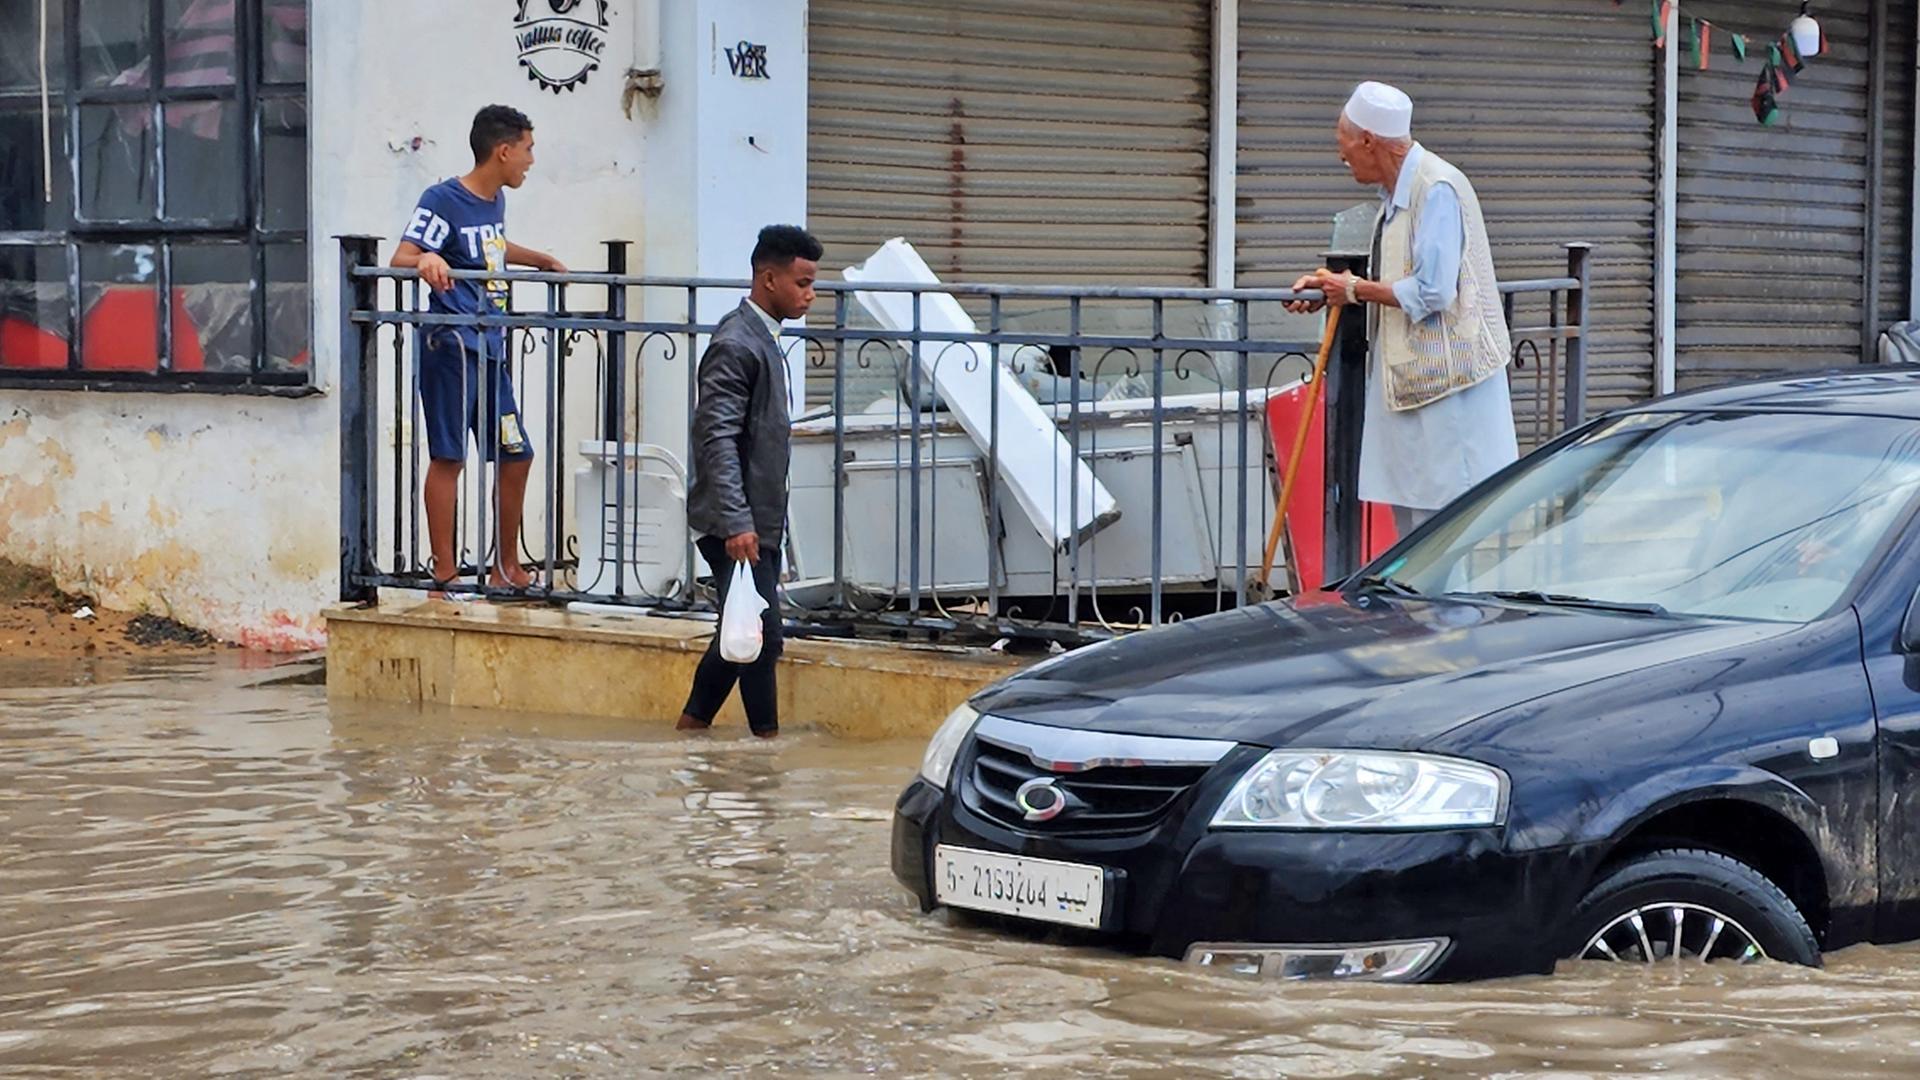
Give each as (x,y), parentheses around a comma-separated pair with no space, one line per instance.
(715,678)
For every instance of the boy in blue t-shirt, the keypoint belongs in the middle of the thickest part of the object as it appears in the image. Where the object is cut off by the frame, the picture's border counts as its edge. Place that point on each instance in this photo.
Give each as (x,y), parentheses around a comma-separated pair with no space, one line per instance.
(461,224)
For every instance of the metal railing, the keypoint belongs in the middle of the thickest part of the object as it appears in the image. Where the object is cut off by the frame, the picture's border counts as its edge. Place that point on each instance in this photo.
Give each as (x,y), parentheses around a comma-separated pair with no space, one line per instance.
(905,517)
(1550,356)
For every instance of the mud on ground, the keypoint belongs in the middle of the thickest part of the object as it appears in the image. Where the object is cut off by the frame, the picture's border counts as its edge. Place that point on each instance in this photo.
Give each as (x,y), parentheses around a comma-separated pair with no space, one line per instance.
(38,621)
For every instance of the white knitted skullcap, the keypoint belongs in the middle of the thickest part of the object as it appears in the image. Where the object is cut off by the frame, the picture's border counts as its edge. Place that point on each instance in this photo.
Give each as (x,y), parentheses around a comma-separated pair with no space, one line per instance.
(1381,109)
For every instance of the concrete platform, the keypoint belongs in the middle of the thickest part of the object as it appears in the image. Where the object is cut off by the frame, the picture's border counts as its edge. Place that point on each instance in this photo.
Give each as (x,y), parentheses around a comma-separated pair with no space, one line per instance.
(539,659)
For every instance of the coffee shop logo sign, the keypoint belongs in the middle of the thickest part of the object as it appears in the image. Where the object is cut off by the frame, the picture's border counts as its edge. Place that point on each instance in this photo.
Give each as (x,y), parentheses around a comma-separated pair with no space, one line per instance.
(560,41)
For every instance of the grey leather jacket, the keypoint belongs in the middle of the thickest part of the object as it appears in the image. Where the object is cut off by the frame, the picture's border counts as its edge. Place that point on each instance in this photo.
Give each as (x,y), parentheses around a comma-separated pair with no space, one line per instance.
(741,433)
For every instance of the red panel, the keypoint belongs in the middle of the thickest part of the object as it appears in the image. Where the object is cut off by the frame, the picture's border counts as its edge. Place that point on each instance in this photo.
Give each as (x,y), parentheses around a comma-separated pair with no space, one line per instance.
(121,332)
(1308,562)
(24,345)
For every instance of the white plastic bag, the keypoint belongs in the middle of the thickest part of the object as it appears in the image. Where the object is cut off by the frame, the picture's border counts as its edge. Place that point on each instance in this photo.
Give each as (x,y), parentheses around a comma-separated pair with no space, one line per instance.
(740,627)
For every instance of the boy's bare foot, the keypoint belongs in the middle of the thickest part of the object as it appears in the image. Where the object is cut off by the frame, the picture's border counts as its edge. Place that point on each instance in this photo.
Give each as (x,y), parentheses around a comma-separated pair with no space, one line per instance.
(443,594)
(767,734)
(510,577)
(689,722)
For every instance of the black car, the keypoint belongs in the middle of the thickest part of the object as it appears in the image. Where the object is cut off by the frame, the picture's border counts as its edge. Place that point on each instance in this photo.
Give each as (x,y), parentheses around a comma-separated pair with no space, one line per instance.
(1652,695)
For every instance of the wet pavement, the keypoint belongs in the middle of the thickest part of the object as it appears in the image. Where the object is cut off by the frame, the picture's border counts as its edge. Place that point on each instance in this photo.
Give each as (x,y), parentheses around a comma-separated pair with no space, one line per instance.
(204,877)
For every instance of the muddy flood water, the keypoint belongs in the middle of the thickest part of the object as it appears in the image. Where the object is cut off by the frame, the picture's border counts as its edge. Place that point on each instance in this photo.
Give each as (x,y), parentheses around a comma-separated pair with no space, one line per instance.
(204,877)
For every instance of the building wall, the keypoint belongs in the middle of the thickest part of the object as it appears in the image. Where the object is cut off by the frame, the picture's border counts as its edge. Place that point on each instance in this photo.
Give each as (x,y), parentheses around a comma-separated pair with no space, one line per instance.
(215,510)
(222,511)
(729,156)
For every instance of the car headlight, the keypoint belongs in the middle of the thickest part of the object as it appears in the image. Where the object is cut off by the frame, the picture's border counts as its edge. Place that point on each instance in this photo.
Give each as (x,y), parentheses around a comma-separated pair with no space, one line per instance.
(1333,789)
(945,746)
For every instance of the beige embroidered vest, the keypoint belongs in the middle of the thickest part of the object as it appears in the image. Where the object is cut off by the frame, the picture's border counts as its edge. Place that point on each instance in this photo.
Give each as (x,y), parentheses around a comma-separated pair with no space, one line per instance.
(1468,342)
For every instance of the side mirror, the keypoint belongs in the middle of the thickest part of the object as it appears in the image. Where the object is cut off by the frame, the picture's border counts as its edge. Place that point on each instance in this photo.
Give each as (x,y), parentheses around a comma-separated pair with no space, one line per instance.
(1910,627)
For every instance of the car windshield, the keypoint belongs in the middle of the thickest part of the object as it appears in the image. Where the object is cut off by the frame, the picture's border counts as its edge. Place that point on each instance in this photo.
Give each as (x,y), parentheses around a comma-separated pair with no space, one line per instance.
(1738,515)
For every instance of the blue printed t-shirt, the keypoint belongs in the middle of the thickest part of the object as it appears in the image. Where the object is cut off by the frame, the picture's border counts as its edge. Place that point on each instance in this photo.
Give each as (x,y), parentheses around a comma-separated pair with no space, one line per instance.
(471,234)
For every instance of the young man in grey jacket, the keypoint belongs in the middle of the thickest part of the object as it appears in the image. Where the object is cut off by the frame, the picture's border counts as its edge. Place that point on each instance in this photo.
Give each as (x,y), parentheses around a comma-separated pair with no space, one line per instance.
(741,429)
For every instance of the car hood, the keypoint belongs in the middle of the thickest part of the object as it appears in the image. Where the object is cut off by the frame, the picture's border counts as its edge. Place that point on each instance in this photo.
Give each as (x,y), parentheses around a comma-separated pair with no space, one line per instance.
(1333,672)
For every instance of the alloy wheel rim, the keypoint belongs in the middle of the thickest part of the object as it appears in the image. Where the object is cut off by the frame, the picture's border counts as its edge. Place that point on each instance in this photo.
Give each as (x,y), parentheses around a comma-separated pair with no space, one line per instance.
(1673,931)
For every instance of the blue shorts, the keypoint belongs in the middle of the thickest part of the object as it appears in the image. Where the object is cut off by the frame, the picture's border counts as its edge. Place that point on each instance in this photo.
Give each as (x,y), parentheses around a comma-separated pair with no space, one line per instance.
(456,399)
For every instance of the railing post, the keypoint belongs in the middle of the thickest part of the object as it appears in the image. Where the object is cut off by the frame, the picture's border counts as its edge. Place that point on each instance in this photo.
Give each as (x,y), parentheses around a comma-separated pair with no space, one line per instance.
(359,387)
(1579,315)
(613,412)
(994,553)
(840,602)
(612,415)
(917,373)
(1243,332)
(1346,409)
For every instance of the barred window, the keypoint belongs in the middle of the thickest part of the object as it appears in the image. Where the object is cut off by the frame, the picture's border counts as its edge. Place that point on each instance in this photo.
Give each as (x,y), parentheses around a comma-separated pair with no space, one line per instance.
(153,199)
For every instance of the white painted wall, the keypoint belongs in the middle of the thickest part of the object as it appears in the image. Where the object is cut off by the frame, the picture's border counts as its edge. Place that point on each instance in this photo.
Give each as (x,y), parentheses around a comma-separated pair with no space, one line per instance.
(223,510)
(409,131)
(216,510)
(728,156)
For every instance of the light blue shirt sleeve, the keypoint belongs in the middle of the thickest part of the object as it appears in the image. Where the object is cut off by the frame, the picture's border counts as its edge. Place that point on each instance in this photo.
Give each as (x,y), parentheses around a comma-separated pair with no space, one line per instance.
(1439,242)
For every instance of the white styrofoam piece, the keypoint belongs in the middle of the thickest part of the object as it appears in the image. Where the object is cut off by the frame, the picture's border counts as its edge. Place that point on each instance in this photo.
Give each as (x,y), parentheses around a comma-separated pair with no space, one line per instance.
(1036,461)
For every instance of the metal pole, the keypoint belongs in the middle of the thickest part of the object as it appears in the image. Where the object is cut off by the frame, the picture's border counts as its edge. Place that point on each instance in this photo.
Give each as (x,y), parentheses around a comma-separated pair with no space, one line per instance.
(1223,168)
(1579,316)
(486,489)
(913,474)
(1243,329)
(840,451)
(611,413)
(557,438)
(1073,467)
(1159,457)
(614,413)
(556,498)
(1666,196)
(693,402)
(1876,165)
(994,534)
(408,385)
(402,404)
(1346,413)
(358,382)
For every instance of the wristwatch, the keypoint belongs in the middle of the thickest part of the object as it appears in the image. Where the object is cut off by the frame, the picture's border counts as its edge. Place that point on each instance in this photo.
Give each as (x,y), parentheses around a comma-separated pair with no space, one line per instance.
(1353,282)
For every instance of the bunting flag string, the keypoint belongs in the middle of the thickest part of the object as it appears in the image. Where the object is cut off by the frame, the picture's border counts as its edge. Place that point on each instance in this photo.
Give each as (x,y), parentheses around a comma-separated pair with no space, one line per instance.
(1781,61)
(1766,103)
(1792,55)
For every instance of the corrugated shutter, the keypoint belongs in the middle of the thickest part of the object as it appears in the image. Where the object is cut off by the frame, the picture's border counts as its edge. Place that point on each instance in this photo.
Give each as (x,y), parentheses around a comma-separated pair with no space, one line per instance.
(1546,105)
(1772,220)
(1896,191)
(1036,141)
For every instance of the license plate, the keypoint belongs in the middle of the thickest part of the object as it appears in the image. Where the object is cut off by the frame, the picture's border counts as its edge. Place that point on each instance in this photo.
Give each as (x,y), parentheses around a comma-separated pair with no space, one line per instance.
(1039,889)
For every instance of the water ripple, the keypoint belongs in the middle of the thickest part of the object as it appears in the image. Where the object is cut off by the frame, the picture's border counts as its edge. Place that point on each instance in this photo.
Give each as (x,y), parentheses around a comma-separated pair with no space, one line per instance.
(201,878)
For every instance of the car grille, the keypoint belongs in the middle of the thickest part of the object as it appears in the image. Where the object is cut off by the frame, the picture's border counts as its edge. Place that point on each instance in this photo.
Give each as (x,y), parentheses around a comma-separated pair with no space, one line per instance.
(1108,800)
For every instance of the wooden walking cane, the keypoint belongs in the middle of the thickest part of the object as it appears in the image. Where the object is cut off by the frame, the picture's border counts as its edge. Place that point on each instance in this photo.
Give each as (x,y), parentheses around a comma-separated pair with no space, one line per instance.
(1300,443)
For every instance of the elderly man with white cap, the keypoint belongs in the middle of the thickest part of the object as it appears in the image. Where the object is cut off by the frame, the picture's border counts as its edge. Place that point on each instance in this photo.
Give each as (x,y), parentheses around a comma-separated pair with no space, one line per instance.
(1439,419)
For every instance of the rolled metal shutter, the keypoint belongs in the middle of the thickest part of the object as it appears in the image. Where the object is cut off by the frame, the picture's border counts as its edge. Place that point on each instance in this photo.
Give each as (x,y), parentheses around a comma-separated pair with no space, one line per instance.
(1036,141)
(1772,220)
(1546,105)
(1896,190)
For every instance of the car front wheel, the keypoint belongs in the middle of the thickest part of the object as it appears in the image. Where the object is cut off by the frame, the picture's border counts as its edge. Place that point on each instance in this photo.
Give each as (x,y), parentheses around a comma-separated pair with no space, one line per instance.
(1686,905)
